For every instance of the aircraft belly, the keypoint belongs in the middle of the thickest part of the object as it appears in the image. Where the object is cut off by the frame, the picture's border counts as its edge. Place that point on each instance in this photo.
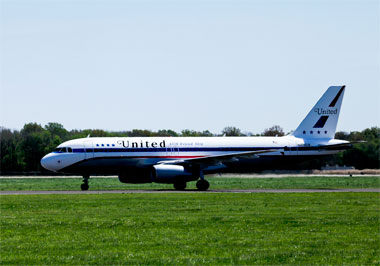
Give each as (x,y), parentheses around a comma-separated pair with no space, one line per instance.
(108,165)
(267,163)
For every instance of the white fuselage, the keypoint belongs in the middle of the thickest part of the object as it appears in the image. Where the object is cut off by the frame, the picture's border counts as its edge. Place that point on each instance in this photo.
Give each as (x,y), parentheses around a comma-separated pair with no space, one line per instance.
(146,151)
(178,160)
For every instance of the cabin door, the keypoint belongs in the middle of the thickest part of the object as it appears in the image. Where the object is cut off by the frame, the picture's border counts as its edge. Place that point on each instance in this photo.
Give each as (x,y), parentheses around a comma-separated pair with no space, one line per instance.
(88,149)
(172,150)
(293,148)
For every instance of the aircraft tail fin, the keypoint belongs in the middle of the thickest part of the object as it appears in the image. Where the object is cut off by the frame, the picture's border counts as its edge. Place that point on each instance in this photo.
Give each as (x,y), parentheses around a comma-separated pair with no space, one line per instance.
(322,120)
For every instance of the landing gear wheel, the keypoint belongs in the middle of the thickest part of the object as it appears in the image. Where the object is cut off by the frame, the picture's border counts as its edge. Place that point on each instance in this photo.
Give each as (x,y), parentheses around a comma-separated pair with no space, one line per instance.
(180,186)
(203,185)
(84,186)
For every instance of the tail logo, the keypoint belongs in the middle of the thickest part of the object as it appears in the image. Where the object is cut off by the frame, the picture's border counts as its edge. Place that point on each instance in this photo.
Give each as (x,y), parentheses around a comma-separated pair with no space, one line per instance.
(322,119)
(321,111)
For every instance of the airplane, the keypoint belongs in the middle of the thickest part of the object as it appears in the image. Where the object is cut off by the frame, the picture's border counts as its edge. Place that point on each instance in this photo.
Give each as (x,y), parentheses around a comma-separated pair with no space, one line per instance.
(178,160)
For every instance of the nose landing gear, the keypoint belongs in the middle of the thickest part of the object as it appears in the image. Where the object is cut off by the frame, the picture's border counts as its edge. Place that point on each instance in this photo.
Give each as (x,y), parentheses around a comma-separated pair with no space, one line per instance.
(85,185)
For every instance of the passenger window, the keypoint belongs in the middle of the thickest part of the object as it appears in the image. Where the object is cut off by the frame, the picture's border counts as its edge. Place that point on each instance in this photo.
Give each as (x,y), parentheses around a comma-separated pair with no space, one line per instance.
(69,149)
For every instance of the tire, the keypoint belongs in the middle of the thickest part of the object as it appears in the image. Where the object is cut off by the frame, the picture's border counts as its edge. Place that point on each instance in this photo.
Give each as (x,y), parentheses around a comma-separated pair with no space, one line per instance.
(84,187)
(180,186)
(203,185)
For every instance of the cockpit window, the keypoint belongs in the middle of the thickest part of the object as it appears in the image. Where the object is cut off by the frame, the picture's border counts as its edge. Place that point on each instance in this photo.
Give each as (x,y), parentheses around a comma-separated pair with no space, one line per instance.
(63,149)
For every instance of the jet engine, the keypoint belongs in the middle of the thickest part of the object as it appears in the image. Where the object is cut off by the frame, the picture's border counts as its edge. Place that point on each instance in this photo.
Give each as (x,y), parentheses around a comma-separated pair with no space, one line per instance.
(160,173)
(164,173)
(136,176)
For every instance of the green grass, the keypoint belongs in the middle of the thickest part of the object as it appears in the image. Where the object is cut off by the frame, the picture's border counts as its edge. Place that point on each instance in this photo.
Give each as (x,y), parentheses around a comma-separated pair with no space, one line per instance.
(194,229)
(215,183)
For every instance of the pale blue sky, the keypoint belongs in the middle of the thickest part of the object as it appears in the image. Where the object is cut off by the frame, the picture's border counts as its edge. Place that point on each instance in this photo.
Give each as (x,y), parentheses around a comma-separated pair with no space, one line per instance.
(120,65)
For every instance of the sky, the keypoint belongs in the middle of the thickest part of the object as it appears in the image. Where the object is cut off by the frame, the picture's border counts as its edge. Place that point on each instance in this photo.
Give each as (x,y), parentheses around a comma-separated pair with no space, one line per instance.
(199,65)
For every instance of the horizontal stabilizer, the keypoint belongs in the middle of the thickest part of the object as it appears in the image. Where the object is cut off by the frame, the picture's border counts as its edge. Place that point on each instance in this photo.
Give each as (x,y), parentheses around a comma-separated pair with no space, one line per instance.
(344,146)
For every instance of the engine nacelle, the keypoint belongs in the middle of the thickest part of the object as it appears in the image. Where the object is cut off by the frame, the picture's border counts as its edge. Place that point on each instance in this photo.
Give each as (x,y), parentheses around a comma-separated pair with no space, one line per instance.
(136,176)
(166,173)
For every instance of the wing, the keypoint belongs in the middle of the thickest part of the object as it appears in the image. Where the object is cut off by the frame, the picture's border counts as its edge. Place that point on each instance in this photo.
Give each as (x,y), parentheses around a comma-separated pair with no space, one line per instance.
(230,157)
(215,159)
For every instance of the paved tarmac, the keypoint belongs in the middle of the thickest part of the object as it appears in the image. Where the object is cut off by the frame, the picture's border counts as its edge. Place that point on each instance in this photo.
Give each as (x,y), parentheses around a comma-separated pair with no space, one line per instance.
(228,175)
(157,191)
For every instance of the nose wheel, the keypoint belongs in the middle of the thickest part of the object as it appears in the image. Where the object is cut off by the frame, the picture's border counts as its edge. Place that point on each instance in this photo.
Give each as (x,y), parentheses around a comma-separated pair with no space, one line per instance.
(85,185)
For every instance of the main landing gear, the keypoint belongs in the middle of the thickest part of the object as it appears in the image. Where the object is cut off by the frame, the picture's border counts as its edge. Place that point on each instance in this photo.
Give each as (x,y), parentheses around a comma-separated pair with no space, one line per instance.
(85,185)
(202,184)
(180,185)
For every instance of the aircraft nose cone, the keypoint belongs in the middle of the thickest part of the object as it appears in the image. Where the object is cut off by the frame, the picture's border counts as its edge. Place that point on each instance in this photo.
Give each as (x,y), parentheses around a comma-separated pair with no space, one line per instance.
(48,162)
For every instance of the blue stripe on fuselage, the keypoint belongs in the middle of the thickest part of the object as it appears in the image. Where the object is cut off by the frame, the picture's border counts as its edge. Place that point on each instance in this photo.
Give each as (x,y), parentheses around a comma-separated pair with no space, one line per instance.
(228,149)
(194,149)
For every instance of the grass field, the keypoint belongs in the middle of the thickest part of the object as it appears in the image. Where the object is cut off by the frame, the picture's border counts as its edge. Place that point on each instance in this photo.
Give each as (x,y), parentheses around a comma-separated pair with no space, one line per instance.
(215,183)
(195,229)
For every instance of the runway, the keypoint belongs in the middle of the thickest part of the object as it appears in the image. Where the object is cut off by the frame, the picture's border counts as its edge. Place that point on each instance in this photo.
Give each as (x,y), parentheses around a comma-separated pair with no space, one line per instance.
(223,175)
(158,191)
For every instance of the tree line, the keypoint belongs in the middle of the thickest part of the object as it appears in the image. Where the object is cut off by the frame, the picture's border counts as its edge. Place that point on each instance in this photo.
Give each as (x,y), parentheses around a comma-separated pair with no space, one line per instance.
(21,151)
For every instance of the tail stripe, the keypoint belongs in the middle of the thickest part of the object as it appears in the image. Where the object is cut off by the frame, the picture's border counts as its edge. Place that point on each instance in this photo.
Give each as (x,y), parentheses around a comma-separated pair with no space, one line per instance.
(332,104)
(321,122)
